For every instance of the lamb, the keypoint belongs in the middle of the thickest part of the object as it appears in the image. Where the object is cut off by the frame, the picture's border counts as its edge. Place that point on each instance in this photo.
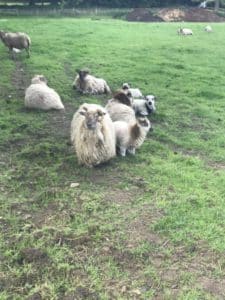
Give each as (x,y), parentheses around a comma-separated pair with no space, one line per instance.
(184,31)
(88,84)
(208,29)
(16,40)
(120,108)
(39,95)
(135,93)
(130,136)
(144,107)
(93,135)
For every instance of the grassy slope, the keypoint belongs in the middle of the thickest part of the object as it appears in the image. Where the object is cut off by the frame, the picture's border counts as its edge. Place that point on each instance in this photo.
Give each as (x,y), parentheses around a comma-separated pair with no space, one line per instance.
(141,227)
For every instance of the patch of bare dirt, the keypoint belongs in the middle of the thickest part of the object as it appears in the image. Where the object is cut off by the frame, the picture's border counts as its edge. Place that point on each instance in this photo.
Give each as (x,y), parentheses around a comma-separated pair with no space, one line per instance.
(20,79)
(33,255)
(142,15)
(189,15)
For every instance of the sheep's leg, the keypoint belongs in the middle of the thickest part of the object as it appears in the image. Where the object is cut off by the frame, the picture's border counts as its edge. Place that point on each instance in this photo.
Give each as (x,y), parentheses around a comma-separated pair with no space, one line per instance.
(131,150)
(28,52)
(122,151)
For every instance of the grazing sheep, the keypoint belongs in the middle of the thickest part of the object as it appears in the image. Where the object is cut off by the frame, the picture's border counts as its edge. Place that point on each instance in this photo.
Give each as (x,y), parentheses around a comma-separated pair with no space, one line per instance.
(39,95)
(208,29)
(144,107)
(130,136)
(93,135)
(88,84)
(184,31)
(120,108)
(16,40)
(135,93)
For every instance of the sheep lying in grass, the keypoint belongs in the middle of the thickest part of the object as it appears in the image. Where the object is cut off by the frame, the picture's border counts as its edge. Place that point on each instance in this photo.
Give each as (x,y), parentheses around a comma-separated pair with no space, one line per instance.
(208,29)
(144,107)
(88,84)
(16,40)
(120,108)
(184,31)
(39,95)
(130,136)
(93,135)
(135,93)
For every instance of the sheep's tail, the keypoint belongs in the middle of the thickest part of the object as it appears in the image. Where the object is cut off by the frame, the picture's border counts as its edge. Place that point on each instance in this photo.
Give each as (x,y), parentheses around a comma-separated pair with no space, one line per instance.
(107,89)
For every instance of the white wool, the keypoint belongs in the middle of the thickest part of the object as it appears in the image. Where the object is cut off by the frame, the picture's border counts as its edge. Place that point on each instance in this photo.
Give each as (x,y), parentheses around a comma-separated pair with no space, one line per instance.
(93,146)
(16,40)
(135,92)
(185,31)
(144,107)
(38,95)
(208,28)
(120,112)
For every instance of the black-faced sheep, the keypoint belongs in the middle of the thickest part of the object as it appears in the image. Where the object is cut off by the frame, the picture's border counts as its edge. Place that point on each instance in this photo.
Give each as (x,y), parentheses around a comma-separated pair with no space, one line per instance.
(38,95)
(93,135)
(88,84)
(16,40)
(120,107)
(130,136)
(135,93)
(144,107)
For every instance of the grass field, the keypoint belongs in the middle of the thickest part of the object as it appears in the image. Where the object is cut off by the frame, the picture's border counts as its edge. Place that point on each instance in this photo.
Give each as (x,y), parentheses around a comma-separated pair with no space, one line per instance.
(143,227)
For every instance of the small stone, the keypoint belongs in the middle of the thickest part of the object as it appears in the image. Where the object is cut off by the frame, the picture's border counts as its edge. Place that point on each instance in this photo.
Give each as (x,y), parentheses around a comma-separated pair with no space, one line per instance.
(74,184)
(136,292)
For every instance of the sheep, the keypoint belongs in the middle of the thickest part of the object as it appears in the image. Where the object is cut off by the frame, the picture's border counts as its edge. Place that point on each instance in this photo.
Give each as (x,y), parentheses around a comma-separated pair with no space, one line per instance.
(93,135)
(39,95)
(184,31)
(144,107)
(130,136)
(208,29)
(136,93)
(88,84)
(16,40)
(120,107)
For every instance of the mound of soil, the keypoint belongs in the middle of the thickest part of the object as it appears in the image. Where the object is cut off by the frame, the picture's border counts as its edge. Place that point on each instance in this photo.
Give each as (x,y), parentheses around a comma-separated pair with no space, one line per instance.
(142,15)
(189,15)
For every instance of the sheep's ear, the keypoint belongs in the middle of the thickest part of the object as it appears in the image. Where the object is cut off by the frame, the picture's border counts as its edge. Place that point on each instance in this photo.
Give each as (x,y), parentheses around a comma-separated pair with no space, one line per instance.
(101,112)
(82,112)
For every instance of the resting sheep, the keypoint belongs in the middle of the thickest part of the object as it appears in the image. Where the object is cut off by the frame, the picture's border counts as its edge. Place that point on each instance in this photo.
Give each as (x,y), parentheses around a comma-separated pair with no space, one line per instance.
(130,136)
(208,28)
(88,84)
(16,40)
(144,107)
(39,95)
(135,93)
(120,108)
(184,31)
(93,135)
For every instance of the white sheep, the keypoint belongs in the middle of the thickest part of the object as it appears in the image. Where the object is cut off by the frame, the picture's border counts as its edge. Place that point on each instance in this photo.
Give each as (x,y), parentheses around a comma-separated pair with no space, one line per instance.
(93,135)
(120,107)
(39,95)
(16,40)
(144,107)
(88,84)
(185,31)
(208,29)
(130,136)
(135,93)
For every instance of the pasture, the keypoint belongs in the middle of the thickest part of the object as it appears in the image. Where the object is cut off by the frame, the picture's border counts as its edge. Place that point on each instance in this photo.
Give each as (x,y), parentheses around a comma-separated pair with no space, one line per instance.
(149,226)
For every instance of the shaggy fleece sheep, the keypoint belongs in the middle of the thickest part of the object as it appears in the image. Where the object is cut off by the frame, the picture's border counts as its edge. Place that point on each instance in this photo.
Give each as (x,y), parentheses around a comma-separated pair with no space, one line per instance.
(88,84)
(16,40)
(38,95)
(130,136)
(135,92)
(93,135)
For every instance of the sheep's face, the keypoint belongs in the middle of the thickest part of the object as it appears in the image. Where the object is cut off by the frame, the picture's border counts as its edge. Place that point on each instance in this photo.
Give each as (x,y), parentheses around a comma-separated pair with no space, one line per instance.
(125,86)
(150,103)
(92,117)
(82,74)
(39,79)
(2,34)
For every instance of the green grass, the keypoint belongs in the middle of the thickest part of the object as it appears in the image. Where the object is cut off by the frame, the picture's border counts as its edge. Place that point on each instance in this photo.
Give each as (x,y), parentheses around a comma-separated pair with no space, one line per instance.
(143,227)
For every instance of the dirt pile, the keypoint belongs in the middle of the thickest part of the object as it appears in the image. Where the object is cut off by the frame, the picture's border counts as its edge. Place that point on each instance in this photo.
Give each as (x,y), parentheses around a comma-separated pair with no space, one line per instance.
(142,15)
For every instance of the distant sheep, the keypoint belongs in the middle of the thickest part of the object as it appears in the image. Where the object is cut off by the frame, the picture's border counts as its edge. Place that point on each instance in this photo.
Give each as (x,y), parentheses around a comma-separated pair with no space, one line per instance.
(16,40)
(120,108)
(144,107)
(135,93)
(130,136)
(184,31)
(208,29)
(88,84)
(38,95)
(93,135)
